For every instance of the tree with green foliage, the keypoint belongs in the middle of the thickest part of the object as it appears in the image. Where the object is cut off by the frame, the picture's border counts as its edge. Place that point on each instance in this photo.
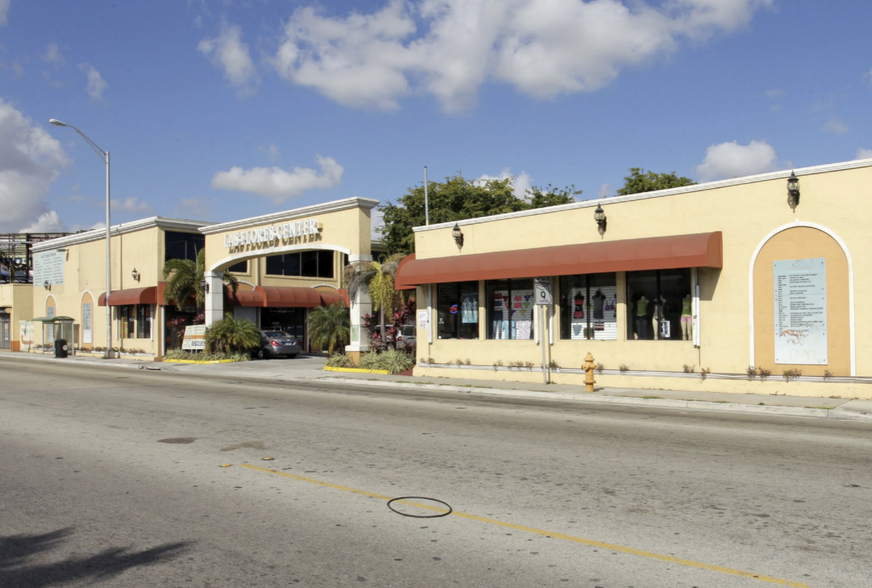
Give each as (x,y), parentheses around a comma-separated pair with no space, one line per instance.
(378,278)
(184,278)
(232,335)
(641,181)
(457,199)
(328,325)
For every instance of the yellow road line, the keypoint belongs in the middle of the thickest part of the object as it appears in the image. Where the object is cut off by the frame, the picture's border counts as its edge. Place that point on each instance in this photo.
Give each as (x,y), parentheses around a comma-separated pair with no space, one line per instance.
(580,540)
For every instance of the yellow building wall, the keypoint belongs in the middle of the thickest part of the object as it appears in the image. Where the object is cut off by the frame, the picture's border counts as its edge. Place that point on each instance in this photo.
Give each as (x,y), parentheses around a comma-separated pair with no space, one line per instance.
(19,299)
(746,214)
(85,275)
(347,229)
(804,243)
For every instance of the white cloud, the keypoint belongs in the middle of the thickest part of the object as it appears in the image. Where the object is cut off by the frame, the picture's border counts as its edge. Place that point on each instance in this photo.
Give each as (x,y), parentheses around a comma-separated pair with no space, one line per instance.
(835,127)
(30,161)
(541,47)
(864,153)
(47,222)
(227,51)
(521,183)
(194,208)
(96,84)
(4,11)
(868,76)
(277,184)
(604,191)
(272,152)
(729,160)
(17,70)
(53,55)
(131,204)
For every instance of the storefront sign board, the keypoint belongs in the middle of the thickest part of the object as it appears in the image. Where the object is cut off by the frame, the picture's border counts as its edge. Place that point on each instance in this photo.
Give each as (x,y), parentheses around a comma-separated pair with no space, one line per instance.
(195,338)
(800,292)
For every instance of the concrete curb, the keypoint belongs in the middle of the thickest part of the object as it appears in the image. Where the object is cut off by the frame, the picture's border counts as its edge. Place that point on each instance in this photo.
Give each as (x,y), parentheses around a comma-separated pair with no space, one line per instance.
(584,397)
(853,410)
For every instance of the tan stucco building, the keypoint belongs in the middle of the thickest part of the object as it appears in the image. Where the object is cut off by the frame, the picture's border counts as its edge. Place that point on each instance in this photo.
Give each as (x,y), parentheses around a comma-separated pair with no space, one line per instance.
(285,263)
(725,276)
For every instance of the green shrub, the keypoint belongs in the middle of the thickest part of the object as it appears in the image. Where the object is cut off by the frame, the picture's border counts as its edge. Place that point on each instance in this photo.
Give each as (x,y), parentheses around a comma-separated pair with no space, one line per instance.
(340,360)
(392,360)
(202,356)
(232,335)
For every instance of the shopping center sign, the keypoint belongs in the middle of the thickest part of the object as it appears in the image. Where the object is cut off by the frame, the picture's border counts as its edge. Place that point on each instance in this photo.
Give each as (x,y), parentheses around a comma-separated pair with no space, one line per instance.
(268,235)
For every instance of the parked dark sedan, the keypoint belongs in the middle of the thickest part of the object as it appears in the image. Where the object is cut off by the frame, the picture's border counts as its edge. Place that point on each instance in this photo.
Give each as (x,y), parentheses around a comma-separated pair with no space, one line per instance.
(276,343)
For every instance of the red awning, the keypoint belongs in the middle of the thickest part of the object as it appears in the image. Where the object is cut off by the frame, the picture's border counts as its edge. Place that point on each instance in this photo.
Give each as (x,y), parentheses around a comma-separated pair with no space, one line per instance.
(329,298)
(147,295)
(287,297)
(680,251)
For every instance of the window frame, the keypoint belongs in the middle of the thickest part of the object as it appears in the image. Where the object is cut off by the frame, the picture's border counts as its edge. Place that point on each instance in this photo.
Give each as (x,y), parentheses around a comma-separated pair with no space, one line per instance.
(593,283)
(443,311)
(513,287)
(666,306)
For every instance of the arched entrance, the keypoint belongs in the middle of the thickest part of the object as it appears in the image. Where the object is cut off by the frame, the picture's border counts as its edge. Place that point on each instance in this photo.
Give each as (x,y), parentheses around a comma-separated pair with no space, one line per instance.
(802,303)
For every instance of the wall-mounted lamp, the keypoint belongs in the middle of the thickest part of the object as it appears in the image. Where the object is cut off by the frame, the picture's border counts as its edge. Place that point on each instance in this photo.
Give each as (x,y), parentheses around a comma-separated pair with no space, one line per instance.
(793,191)
(135,275)
(46,285)
(601,221)
(458,236)
(204,285)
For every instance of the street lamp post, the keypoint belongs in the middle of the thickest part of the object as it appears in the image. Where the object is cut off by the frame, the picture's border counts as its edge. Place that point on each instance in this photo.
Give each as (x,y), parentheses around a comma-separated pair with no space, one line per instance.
(104,157)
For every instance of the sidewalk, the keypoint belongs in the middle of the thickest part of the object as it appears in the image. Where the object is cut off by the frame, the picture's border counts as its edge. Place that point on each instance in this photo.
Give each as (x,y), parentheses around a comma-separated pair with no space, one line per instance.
(310,367)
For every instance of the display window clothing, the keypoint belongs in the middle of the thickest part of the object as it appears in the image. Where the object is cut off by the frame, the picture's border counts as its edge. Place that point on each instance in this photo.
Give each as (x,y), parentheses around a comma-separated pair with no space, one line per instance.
(658,303)
(510,308)
(587,307)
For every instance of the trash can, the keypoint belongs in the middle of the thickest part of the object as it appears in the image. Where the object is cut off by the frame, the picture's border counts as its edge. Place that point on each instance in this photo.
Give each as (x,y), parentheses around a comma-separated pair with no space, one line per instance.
(60,347)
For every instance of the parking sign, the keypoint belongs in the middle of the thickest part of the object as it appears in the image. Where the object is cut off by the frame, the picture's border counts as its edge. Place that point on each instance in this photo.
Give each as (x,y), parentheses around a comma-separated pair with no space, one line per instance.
(542,291)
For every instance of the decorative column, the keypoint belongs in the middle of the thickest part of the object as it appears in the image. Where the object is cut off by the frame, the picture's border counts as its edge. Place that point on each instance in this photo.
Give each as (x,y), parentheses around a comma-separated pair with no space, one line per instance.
(214,297)
(360,306)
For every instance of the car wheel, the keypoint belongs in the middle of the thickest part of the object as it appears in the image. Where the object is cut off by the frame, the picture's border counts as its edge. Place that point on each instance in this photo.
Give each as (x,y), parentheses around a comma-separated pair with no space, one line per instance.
(292,356)
(261,354)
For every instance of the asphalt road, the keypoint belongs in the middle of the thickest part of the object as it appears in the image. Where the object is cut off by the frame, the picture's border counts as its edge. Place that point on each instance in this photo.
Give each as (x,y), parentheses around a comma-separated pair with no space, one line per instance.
(140,478)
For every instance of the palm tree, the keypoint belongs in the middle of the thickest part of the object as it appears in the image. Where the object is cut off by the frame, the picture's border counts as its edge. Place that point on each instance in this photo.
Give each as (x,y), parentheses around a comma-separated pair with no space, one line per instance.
(232,335)
(329,324)
(184,280)
(378,278)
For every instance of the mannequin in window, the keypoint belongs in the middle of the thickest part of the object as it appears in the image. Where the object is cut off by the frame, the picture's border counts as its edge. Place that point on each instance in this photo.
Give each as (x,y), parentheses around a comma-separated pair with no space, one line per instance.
(579,306)
(687,318)
(659,314)
(642,317)
(598,301)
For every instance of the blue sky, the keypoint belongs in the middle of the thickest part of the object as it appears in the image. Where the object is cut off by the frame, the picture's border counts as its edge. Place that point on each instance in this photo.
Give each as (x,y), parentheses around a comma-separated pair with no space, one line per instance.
(217,110)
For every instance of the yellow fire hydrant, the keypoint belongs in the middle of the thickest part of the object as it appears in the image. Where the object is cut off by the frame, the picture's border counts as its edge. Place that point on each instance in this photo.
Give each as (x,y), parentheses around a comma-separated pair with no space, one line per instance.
(588,367)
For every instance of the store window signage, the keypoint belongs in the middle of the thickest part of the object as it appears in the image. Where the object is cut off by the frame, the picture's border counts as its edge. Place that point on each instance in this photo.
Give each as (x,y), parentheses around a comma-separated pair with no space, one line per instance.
(268,236)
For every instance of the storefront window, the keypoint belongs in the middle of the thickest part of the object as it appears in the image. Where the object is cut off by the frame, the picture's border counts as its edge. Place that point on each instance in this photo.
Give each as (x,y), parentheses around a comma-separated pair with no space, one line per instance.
(457,310)
(659,305)
(182,245)
(309,264)
(143,321)
(510,309)
(126,321)
(588,306)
